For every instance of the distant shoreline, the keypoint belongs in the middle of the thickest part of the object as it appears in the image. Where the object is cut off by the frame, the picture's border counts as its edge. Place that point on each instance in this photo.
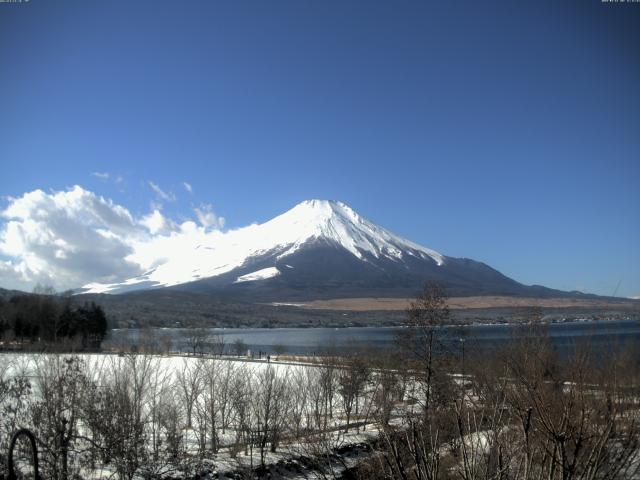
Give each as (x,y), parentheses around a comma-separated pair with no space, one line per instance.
(381,327)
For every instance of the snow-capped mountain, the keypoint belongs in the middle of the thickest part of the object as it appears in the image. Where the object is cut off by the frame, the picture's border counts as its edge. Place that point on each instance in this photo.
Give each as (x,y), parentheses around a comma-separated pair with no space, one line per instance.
(318,249)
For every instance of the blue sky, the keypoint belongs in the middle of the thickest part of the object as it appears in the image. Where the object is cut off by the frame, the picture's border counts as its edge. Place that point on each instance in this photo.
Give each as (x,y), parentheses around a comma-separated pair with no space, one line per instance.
(507,132)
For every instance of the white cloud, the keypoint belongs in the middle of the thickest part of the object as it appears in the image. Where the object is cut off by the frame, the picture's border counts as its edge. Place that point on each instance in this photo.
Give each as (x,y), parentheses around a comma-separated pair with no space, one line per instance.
(65,238)
(187,186)
(155,205)
(180,243)
(74,237)
(105,176)
(167,196)
(12,277)
(207,217)
(158,223)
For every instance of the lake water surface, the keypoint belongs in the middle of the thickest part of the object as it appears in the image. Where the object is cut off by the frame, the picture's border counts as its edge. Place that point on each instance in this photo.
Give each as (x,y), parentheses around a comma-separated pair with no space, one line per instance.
(604,336)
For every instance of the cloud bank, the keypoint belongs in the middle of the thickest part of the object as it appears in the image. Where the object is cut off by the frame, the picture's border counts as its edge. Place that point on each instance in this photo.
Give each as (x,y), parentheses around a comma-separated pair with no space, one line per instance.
(69,238)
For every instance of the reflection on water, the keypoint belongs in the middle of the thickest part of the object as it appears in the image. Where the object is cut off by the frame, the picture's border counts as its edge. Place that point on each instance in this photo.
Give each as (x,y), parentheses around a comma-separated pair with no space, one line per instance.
(604,336)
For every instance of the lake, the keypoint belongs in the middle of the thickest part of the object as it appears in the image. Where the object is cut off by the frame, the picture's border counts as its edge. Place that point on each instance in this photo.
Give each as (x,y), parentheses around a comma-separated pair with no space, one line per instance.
(605,336)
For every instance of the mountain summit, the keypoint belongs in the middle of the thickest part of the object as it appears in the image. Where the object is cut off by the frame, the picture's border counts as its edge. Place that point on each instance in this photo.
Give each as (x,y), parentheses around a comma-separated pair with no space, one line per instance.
(318,249)
(336,222)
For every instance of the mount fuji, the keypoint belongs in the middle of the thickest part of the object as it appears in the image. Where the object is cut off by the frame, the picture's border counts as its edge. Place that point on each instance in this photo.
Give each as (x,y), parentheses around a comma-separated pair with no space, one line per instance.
(317,250)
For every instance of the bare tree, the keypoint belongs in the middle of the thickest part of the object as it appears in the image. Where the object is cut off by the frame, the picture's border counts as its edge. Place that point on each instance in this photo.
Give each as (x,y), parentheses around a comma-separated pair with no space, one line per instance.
(239,347)
(413,447)
(161,401)
(226,374)
(116,414)
(317,406)
(242,400)
(197,340)
(387,385)
(216,344)
(573,417)
(270,407)
(426,316)
(15,391)
(171,420)
(279,349)
(299,388)
(352,378)
(61,382)
(189,382)
(210,404)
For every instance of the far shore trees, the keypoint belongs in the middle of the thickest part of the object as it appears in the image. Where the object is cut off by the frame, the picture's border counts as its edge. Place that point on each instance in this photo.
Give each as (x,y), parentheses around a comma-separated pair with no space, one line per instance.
(52,321)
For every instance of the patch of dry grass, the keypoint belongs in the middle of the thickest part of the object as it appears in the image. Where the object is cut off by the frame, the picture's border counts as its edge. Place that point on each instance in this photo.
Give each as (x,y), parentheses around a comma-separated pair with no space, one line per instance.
(462,303)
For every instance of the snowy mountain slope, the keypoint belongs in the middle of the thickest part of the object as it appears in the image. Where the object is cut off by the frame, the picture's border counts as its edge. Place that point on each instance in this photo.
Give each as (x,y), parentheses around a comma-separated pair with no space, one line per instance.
(307,222)
(318,249)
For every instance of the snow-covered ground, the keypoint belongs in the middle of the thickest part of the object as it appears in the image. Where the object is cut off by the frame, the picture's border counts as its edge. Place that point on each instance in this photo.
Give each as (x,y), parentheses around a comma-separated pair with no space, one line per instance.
(176,371)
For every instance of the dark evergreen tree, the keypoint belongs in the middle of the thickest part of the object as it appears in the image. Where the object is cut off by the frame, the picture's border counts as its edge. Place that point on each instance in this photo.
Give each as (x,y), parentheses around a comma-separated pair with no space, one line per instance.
(51,318)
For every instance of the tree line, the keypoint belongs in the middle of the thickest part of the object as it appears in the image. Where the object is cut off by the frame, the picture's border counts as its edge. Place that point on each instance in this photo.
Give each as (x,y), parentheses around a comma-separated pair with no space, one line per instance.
(45,319)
